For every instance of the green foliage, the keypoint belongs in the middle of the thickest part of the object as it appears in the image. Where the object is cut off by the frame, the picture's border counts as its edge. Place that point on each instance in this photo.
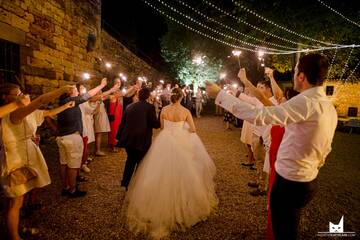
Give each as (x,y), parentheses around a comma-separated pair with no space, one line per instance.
(179,48)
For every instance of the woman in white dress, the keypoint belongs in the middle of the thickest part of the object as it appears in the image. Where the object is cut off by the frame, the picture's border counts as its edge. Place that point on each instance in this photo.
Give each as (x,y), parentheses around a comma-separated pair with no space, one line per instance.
(101,119)
(173,188)
(88,134)
(18,128)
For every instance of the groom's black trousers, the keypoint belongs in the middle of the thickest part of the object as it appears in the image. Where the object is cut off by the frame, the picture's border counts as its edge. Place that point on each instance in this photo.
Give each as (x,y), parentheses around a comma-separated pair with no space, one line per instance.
(287,199)
(134,158)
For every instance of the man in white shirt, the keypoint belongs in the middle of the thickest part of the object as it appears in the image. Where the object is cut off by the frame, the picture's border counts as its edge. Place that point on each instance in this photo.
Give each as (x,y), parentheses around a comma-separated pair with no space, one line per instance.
(310,120)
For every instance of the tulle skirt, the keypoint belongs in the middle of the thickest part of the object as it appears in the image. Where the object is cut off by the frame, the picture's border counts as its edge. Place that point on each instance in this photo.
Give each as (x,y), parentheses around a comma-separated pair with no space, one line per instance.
(173,187)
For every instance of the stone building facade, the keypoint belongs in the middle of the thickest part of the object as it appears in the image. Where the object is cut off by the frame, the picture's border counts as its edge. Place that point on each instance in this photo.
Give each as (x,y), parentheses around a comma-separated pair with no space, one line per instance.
(344,95)
(46,44)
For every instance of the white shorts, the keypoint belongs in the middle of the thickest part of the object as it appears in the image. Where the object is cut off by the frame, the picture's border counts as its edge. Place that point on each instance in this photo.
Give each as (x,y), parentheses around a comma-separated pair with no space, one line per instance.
(71,150)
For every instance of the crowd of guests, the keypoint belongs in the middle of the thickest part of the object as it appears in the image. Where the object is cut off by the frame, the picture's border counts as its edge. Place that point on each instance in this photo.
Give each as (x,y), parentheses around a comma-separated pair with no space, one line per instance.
(84,116)
(284,166)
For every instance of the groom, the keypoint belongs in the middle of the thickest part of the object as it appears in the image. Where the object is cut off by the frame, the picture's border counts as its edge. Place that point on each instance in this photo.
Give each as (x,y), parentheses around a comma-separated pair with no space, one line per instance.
(136,132)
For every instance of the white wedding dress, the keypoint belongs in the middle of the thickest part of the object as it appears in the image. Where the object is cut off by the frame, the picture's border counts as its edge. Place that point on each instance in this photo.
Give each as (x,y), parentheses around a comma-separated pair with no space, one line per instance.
(173,187)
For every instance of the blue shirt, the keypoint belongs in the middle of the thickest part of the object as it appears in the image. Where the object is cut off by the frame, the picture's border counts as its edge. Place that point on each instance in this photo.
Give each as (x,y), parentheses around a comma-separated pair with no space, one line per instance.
(70,120)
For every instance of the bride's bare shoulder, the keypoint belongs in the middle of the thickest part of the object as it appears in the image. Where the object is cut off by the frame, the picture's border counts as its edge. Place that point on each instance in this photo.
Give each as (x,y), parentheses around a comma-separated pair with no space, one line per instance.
(165,109)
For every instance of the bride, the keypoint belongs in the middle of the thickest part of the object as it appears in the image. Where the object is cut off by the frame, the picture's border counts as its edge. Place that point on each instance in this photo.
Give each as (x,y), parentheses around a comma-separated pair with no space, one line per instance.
(173,188)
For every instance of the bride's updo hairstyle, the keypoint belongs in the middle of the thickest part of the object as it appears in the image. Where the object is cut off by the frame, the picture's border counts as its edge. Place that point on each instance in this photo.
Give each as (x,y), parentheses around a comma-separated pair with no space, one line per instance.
(176,95)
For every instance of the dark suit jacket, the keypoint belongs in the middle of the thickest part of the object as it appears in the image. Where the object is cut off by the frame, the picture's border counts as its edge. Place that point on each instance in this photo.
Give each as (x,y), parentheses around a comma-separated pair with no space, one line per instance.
(135,131)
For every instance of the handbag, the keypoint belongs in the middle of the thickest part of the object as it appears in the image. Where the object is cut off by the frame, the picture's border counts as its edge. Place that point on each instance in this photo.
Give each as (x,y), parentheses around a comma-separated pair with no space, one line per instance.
(23,174)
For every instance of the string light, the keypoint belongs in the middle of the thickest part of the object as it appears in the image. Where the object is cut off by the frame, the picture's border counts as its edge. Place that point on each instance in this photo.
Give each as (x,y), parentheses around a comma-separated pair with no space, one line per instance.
(353,71)
(253,26)
(346,64)
(338,13)
(331,64)
(214,30)
(232,29)
(338,90)
(237,46)
(197,31)
(277,25)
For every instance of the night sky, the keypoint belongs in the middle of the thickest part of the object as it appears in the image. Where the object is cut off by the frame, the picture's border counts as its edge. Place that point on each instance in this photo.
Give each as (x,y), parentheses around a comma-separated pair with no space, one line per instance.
(136,26)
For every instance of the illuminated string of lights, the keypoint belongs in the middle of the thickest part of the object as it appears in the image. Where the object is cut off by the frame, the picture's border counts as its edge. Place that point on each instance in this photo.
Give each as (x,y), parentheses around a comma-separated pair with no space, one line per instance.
(253,26)
(322,49)
(346,64)
(241,47)
(338,13)
(216,31)
(353,71)
(338,90)
(197,31)
(331,64)
(232,29)
(278,25)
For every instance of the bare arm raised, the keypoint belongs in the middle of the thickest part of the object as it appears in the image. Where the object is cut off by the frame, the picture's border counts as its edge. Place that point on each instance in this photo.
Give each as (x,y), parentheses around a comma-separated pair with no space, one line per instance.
(278,93)
(55,111)
(253,90)
(95,90)
(21,113)
(20,102)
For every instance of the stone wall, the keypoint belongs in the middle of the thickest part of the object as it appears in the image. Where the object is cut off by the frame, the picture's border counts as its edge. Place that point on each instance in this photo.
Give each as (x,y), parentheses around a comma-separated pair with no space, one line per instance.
(345,95)
(53,38)
(125,61)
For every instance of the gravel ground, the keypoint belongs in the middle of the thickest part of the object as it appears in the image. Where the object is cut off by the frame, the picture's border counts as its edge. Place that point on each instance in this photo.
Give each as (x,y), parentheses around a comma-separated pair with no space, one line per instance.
(238,216)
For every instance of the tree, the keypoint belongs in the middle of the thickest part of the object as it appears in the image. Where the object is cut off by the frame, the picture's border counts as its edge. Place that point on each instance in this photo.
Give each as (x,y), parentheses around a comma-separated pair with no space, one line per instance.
(180,47)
